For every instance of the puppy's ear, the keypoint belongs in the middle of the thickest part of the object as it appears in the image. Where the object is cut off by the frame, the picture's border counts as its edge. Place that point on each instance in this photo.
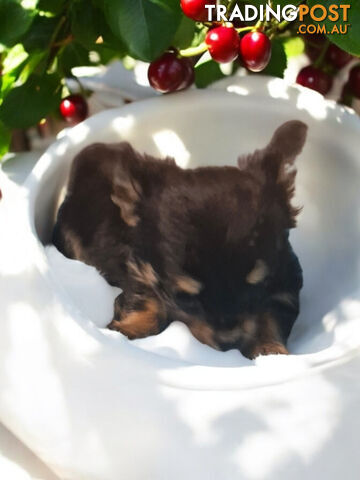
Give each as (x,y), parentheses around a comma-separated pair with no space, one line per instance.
(287,142)
(274,166)
(126,189)
(280,154)
(279,158)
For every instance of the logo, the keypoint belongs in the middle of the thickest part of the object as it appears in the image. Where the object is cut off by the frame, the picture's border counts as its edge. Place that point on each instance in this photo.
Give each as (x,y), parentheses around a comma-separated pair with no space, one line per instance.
(316,19)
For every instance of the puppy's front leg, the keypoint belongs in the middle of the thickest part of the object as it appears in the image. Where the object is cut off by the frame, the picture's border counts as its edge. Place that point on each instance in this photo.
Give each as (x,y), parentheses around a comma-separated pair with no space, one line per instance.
(267,340)
(139,317)
(275,324)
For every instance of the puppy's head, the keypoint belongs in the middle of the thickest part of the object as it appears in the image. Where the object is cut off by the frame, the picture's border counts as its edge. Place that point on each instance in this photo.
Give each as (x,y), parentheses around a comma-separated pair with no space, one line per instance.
(234,277)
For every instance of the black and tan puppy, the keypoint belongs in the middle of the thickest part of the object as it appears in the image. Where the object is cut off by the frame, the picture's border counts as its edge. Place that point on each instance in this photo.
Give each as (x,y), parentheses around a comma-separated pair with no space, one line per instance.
(208,246)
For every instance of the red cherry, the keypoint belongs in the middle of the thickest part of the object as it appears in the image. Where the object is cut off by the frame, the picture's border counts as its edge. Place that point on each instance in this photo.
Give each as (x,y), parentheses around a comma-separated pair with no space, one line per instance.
(189,74)
(255,51)
(74,108)
(337,57)
(170,73)
(314,78)
(354,80)
(223,43)
(166,73)
(196,10)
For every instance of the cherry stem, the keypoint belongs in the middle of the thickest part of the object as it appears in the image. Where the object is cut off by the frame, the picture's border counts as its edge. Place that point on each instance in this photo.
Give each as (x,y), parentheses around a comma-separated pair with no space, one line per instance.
(320,60)
(245,29)
(54,46)
(258,26)
(279,26)
(65,41)
(57,30)
(193,51)
(282,25)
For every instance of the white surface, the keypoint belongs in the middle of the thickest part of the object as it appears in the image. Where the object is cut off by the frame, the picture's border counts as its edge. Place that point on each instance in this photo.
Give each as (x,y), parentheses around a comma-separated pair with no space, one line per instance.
(95,406)
(17,462)
(17,166)
(114,82)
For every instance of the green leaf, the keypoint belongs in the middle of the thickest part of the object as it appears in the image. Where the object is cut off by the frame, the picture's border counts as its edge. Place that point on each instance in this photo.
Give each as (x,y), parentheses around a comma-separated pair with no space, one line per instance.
(350,42)
(5,138)
(7,82)
(98,3)
(14,21)
(107,54)
(40,33)
(32,63)
(199,36)
(278,61)
(16,56)
(26,105)
(52,6)
(18,66)
(184,34)
(146,26)
(85,23)
(207,72)
(111,41)
(74,55)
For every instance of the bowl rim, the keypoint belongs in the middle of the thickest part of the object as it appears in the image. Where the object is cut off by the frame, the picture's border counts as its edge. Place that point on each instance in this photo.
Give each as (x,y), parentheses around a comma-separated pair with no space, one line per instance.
(188,375)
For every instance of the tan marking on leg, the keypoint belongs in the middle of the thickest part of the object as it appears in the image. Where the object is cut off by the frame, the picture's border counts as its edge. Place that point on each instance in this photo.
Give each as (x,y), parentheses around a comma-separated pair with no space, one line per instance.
(258,273)
(269,328)
(187,285)
(249,326)
(141,323)
(202,332)
(269,341)
(143,273)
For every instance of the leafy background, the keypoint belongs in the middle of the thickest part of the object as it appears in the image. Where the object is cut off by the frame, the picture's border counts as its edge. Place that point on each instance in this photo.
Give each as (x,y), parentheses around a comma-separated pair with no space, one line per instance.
(41,41)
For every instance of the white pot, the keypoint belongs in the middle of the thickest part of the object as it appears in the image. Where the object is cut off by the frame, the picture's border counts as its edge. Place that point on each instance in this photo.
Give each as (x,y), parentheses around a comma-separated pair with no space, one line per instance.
(95,406)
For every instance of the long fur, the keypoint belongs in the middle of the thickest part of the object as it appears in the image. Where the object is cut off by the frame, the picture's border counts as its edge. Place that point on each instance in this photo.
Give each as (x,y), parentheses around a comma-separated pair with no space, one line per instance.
(207,246)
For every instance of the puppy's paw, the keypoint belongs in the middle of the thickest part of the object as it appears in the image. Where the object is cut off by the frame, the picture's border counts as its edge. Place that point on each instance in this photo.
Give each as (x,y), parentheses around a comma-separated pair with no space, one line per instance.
(140,322)
(269,348)
(114,325)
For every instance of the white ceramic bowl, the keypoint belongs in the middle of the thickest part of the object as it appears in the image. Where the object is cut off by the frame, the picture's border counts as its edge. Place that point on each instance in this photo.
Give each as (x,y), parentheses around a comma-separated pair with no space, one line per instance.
(93,405)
